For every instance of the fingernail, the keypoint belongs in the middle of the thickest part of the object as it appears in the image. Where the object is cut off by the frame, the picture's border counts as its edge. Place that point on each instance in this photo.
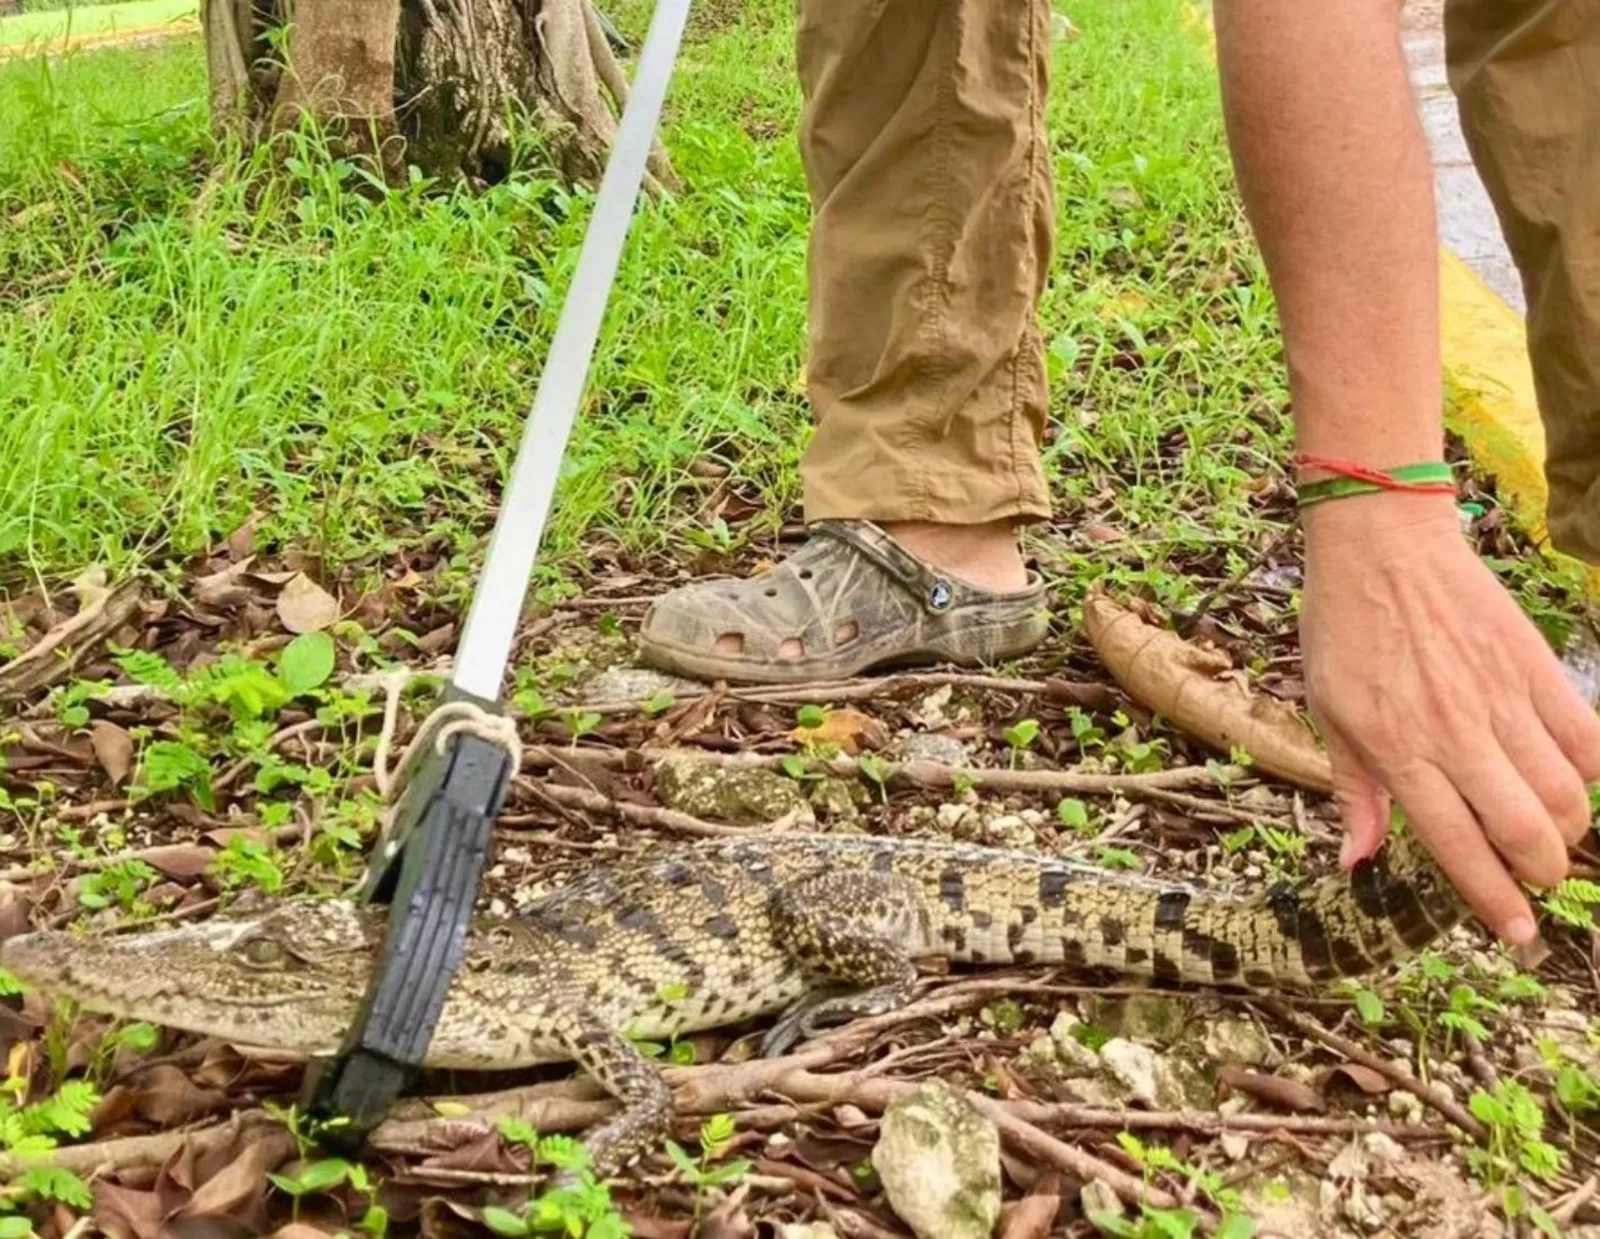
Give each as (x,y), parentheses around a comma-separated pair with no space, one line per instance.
(1348,852)
(1521,931)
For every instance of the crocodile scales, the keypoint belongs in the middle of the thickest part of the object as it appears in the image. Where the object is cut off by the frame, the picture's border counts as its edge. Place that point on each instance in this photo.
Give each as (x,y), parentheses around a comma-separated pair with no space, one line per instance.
(815,928)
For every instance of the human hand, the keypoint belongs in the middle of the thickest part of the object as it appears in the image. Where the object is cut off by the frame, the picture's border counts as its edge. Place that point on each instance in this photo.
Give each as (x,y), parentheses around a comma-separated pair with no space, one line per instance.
(1431,686)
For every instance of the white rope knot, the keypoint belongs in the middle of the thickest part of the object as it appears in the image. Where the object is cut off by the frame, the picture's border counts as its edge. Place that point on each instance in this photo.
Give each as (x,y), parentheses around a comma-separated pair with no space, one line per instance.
(453,718)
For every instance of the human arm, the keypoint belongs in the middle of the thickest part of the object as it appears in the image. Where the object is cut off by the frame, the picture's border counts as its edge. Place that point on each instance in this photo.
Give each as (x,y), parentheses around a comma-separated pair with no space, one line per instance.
(1427,681)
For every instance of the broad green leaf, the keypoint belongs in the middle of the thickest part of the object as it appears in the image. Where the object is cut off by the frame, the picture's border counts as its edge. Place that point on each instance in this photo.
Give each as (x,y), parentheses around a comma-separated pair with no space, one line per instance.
(307,662)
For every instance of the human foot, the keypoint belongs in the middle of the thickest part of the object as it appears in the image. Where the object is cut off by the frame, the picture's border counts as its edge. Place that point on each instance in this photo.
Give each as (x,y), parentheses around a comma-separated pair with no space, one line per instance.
(853,598)
(986,556)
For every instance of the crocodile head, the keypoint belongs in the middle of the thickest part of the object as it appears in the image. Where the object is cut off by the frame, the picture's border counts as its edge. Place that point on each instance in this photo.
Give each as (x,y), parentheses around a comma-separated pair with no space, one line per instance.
(290,978)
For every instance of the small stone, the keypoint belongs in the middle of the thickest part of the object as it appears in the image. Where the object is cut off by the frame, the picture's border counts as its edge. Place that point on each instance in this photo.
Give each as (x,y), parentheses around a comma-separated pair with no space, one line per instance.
(1385,1150)
(952,816)
(1032,818)
(807,1230)
(1405,1106)
(931,746)
(939,1162)
(1009,830)
(1133,1065)
(840,800)
(1231,1039)
(1440,1091)
(1060,1050)
(931,709)
(1099,1201)
(750,796)
(629,685)
(1073,1053)
(1167,1082)
(1235,1144)
(1160,1018)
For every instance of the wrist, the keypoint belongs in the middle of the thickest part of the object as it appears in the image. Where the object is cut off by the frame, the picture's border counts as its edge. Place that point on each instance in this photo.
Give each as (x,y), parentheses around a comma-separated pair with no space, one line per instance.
(1379,517)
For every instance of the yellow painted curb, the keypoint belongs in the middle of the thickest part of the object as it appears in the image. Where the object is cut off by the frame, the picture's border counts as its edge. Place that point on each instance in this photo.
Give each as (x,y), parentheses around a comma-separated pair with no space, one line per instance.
(1490,399)
(155,33)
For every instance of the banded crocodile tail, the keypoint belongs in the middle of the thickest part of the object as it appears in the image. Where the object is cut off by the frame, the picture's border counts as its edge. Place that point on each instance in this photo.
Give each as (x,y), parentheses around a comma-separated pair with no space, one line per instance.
(1303,935)
(1295,936)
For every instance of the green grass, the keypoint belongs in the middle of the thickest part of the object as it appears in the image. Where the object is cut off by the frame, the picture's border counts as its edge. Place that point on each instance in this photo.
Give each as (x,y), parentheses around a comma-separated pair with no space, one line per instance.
(356,370)
(51,25)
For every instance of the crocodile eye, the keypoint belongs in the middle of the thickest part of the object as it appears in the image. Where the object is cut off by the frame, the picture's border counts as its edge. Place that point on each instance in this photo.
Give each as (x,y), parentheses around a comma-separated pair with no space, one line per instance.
(263,952)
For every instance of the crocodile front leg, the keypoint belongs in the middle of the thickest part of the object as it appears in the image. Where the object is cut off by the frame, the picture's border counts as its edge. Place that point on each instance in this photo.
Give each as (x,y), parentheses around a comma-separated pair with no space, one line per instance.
(618,1067)
(846,932)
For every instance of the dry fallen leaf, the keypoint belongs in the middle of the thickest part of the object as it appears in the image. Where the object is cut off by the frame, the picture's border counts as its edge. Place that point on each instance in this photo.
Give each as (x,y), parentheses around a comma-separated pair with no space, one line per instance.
(178,860)
(1373,1083)
(1279,1091)
(124,1213)
(851,730)
(222,589)
(1032,1217)
(304,606)
(1196,691)
(166,1096)
(244,1177)
(113,749)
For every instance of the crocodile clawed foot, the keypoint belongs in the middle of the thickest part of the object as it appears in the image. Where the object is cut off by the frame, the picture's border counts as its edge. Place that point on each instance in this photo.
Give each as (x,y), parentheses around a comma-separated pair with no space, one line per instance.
(811,1017)
(782,1036)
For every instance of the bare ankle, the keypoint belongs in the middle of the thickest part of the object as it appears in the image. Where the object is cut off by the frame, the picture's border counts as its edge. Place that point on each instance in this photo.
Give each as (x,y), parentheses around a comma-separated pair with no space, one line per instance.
(987,556)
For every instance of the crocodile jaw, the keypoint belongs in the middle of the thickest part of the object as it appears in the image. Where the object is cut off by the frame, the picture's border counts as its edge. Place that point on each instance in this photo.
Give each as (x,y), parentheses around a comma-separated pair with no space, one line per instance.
(287,983)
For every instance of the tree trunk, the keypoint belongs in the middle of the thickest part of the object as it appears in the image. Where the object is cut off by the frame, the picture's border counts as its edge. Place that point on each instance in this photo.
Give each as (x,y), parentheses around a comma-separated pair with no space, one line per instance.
(455,87)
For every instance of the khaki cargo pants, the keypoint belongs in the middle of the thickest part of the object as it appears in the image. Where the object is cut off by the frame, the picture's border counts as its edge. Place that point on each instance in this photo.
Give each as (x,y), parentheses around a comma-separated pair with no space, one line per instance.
(925,148)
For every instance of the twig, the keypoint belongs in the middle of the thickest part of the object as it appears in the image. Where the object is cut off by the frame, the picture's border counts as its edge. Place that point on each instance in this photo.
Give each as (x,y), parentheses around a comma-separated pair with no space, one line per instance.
(1211,1123)
(1069,1158)
(1397,1075)
(929,774)
(639,814)
(93,808)
(1479,1063)
(134,1152)
(305,727)
(828,692)
(1565,1211)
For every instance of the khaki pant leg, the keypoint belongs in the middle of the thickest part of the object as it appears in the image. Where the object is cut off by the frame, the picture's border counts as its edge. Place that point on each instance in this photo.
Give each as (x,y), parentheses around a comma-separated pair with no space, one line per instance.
(925,151)
(1527,77)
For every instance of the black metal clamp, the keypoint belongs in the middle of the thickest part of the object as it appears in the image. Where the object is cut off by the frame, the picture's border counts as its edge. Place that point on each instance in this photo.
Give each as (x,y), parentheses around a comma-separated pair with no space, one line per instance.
(438,839)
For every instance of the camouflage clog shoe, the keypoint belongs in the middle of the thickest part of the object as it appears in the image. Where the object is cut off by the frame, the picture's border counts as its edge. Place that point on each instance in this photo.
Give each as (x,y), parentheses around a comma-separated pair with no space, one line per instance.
(850,600)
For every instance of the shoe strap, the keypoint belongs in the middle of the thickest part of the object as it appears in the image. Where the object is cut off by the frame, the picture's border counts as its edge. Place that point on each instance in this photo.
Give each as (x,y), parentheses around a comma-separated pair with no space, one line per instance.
(936,592)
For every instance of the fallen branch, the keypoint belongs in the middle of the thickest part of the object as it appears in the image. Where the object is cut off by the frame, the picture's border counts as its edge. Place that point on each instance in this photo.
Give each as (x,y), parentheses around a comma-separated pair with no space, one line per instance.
(1074,1161)
(136,1152)
(1400,1077)
(640,814)
(101,611)
(1565,1211)
(832,692)
(928,774)
(1214,1123)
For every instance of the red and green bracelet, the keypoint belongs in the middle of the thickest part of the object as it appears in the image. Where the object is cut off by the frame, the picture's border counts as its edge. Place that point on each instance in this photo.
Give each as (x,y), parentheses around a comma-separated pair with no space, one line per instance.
(1428,478)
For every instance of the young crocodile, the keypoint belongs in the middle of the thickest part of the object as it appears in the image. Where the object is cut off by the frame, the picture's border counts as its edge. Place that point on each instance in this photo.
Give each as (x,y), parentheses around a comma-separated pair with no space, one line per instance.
(821,928)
